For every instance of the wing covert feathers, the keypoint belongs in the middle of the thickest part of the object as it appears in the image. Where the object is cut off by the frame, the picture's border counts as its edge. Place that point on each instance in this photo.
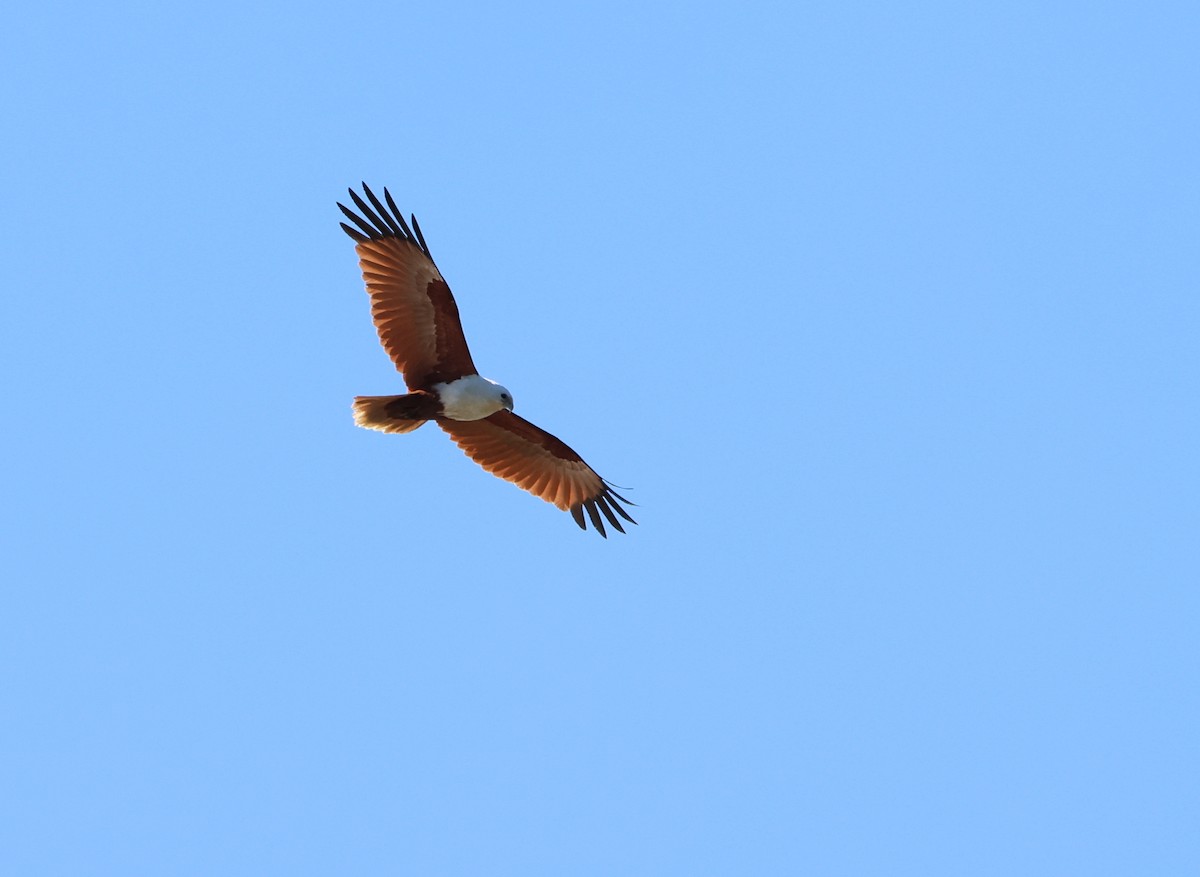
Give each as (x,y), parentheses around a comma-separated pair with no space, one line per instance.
(512,448)
(414,311)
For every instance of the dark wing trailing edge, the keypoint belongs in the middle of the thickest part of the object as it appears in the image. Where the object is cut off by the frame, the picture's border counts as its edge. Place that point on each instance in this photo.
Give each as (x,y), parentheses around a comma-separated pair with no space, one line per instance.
(382,222)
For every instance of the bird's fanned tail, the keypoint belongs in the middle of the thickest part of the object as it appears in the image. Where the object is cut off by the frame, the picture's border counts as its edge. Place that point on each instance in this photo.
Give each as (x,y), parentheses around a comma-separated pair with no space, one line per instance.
(403,413)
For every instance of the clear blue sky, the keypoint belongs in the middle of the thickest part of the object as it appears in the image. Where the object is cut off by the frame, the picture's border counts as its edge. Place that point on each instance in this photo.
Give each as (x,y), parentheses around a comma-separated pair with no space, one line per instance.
(887,313)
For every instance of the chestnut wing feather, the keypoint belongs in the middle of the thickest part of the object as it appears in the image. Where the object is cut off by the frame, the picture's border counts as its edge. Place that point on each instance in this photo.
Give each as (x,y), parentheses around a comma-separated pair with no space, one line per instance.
(514,449)
(414,311)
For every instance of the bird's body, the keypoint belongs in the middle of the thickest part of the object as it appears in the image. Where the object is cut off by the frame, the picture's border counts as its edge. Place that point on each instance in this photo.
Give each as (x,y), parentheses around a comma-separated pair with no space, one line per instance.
(472,398)
(419,326)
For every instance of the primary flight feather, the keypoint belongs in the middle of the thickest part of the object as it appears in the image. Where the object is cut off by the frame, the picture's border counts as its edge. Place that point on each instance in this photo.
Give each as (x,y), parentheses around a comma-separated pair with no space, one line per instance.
(418,324)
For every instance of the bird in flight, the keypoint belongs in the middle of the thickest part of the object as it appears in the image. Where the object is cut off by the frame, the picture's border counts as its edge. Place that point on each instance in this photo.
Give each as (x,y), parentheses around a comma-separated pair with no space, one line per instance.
(418,324)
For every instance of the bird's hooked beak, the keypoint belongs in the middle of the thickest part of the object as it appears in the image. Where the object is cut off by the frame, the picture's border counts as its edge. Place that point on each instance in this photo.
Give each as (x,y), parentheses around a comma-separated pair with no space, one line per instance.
(509,405)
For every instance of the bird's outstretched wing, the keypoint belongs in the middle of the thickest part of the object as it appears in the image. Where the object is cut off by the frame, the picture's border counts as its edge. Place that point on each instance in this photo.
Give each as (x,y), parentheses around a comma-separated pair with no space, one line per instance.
(414,311)
(514,449)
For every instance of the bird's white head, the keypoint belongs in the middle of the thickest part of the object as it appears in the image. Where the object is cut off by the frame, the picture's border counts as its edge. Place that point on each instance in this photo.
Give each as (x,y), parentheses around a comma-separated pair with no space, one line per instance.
(503,396)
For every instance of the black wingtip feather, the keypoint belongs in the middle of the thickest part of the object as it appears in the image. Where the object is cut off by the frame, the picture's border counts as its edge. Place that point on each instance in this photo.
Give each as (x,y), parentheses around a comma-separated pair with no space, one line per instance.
(383,213)
(354,233)
(378,221)
(608,490)
(577,514)
(608,504)
(612,497)
(590,505)
(381,227)
(359,221)
(612,519)
(387,196)
(420,237)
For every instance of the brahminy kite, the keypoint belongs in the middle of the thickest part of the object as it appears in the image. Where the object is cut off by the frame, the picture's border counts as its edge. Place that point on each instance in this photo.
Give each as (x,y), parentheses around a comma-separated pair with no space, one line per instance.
(417,321)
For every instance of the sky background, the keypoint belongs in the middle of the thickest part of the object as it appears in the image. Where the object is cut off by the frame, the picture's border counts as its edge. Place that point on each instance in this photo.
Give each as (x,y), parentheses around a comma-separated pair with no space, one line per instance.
(886,313)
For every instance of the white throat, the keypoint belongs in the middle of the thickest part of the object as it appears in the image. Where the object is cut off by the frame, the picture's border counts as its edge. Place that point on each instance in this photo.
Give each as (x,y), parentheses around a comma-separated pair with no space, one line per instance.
(472,398)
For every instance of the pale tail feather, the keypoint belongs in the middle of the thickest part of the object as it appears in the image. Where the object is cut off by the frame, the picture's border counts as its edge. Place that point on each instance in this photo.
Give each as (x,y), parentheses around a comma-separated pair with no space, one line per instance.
(371,412)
